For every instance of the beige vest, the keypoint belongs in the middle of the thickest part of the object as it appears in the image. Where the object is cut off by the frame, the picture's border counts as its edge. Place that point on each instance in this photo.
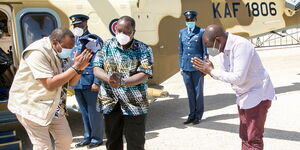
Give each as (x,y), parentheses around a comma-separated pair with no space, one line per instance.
(27,96)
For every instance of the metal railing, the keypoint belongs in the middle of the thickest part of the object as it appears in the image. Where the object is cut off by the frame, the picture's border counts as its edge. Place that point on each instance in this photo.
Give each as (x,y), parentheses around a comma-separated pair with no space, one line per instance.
(288,36)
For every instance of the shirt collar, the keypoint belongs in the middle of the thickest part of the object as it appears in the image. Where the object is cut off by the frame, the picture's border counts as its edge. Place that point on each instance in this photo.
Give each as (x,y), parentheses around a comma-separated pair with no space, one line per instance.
(229,42)
(49,46)
(85,33)
(132,46)
(189,31)
(192,29)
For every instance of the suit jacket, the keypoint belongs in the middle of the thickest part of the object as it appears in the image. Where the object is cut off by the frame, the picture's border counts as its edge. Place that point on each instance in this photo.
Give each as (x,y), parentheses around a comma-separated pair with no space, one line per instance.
(190,45)
(87,78)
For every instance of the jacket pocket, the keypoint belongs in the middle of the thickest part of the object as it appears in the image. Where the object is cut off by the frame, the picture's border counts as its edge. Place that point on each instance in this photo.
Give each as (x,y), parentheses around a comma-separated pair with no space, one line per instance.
(42,108)
(87,78)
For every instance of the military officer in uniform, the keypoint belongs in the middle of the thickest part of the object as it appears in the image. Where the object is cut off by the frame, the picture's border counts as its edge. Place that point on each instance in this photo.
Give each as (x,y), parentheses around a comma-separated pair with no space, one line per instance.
(86,90)
(190,45)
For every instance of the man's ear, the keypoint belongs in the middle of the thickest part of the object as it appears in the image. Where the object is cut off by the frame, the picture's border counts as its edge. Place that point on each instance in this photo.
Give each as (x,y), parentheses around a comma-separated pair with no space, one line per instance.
(53,42)
(219,39)
(56,42)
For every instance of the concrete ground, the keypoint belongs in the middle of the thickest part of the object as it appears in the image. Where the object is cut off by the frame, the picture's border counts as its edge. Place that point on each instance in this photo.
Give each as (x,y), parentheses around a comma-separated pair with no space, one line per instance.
(220,125)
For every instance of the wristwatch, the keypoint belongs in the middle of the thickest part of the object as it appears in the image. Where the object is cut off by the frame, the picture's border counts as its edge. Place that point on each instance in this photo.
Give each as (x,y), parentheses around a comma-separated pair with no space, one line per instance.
(76,70)
(122,82)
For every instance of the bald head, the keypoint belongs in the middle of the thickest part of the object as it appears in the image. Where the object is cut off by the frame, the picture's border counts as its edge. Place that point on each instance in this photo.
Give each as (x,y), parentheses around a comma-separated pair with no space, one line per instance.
(215,35)
(213,31)
(127,20)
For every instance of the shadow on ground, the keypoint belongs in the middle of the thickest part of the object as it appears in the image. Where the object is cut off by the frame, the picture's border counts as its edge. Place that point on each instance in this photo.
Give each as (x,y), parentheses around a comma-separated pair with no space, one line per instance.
(171,113)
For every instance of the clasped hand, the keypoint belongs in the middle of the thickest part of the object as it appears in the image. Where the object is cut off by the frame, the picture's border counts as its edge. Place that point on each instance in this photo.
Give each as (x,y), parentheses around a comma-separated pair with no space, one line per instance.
(114,80)
(204,66)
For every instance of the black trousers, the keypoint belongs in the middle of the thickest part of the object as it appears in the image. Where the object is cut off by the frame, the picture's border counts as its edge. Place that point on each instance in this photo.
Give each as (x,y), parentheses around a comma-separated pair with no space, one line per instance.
(133,128)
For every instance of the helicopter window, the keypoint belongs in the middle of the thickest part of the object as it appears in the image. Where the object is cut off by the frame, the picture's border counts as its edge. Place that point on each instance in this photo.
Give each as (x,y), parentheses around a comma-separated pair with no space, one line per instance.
(35,26)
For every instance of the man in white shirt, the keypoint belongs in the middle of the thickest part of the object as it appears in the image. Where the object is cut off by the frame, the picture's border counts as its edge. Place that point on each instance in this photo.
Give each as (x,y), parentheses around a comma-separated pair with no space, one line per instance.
(242,68)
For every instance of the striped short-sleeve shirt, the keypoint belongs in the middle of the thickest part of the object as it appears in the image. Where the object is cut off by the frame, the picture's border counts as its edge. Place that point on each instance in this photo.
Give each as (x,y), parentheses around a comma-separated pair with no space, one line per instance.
(137,58)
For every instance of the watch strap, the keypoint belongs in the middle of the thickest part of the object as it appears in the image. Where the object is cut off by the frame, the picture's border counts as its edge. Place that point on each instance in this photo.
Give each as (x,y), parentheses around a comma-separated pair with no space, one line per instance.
(76,70)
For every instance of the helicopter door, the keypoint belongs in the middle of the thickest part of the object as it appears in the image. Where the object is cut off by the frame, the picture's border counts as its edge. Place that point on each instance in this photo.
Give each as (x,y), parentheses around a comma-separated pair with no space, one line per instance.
(7,54)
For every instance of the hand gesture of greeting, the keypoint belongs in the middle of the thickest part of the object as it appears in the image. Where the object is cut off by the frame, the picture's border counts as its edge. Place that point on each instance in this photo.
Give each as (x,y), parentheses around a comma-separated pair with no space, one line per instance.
(83,60)
(204,66)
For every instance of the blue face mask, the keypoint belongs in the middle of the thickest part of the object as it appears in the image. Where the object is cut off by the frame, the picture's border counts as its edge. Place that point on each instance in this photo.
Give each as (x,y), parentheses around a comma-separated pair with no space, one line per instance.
(65,52)
(190,24)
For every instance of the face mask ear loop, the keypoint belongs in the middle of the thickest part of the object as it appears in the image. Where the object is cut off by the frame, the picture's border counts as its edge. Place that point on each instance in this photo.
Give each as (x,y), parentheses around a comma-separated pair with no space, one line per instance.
(59,45)
(131,36)
(214,43)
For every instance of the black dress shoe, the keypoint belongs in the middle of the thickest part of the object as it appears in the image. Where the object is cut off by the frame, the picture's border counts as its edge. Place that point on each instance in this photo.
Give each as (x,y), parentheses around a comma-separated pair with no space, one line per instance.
(196,121)
(81,144)
(188,121)
(92,145)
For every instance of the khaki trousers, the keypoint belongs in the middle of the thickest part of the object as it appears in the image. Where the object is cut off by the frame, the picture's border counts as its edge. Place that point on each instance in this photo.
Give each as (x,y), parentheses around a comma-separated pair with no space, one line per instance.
(39,135)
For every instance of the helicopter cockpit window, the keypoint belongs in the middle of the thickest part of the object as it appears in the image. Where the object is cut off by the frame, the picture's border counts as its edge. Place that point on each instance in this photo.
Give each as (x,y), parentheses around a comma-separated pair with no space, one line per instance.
(36,26)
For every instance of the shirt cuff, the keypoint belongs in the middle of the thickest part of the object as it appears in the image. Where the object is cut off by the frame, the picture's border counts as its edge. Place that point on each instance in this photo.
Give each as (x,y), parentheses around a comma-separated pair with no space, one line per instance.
(215,74)
(145,70)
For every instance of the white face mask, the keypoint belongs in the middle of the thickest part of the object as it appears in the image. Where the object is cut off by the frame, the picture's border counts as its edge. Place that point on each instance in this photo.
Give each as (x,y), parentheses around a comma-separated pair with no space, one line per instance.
(78,31)
(65,52)
(122,38)
(214,51)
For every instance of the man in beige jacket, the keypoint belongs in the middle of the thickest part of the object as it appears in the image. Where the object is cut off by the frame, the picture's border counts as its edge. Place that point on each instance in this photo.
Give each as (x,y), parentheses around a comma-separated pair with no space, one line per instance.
(37,95)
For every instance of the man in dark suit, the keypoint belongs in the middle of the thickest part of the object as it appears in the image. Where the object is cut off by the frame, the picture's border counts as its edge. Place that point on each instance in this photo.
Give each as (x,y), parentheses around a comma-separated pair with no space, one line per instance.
(86,90)
(190,45)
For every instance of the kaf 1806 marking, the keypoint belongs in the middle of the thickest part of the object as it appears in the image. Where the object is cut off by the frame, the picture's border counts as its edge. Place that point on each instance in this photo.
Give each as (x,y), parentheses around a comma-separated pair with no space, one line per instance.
(254,9)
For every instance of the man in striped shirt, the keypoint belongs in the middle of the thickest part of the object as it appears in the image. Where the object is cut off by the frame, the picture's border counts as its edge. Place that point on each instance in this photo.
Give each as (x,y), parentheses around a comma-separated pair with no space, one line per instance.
(124,65)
